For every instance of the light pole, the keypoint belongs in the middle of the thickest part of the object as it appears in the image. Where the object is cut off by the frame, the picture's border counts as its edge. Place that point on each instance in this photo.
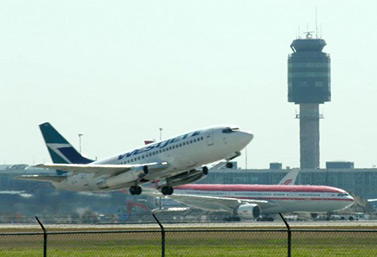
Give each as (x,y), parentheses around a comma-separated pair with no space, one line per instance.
(80,135)
(161,133)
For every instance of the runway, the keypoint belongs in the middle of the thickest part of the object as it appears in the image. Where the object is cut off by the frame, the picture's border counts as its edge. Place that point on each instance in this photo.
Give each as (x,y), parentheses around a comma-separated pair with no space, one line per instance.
(367,224)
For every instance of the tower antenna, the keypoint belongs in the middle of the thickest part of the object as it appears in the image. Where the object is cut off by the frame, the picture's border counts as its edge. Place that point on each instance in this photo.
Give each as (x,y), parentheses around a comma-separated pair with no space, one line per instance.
(320,30)
(316,24)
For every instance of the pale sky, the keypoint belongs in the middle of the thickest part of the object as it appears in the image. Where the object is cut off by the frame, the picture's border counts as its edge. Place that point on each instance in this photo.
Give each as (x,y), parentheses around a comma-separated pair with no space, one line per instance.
(117,71)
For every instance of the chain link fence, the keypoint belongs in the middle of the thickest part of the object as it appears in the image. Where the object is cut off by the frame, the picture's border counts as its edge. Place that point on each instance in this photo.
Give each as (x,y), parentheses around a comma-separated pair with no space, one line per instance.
(191,242)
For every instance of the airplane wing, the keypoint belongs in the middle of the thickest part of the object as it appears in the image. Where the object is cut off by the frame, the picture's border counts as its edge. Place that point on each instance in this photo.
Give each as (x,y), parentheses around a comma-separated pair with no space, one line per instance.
(109,169)
(213,203)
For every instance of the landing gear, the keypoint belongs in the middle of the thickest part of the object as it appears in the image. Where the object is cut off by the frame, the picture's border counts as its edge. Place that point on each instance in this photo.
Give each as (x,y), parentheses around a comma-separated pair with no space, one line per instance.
(264,218)
(135,190)
(167,190)
(232,218)
(314,215)
(229,165)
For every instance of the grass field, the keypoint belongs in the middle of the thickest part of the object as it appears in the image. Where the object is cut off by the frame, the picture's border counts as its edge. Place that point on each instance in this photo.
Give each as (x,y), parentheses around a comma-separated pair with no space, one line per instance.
(193,243)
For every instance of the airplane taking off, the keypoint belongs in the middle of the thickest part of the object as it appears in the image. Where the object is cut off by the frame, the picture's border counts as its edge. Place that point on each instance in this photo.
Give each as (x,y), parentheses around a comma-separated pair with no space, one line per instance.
(252,201)
(172,162)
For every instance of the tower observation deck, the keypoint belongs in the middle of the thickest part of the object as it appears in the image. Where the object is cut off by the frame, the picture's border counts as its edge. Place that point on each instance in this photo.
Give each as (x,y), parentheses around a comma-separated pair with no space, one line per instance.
(309,86)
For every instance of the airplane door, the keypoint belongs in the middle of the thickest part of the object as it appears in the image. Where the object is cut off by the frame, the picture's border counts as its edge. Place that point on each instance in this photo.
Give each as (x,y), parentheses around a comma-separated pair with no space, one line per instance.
(209,138)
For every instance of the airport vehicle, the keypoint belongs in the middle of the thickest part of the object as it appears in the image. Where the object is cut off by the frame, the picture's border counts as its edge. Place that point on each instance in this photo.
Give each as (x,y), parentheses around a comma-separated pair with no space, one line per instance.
(173,162)
(262,201)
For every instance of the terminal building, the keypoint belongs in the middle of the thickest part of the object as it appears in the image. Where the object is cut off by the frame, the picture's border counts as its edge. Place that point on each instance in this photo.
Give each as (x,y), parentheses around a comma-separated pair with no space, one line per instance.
(358,181)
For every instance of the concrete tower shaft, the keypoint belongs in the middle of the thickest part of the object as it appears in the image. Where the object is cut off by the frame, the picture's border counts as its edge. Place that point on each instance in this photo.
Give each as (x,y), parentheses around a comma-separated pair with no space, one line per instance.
(309,135)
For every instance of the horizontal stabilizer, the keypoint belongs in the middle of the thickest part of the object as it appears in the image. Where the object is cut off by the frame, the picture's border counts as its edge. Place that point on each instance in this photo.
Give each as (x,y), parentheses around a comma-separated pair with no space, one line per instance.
(49,178)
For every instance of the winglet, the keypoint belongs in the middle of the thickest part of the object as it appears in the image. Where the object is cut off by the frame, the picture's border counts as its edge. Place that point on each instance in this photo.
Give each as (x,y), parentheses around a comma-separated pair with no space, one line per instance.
(61,151)
(290,178)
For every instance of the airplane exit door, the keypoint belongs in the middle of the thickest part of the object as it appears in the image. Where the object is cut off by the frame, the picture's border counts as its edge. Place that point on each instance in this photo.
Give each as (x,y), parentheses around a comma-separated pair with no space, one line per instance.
(209,138)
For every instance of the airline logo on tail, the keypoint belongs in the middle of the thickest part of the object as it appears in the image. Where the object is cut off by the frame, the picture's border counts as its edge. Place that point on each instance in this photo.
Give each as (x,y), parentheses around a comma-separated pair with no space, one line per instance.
(290,178)
(60,150)
(287,182)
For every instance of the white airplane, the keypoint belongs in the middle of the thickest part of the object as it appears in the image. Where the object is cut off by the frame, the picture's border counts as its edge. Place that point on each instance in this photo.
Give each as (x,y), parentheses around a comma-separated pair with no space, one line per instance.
(172,162)
(168,204)
(253,201)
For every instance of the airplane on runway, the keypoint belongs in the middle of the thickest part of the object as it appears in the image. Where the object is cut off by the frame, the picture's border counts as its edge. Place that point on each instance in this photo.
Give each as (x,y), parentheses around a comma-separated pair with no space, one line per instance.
(256,201)
(175,161)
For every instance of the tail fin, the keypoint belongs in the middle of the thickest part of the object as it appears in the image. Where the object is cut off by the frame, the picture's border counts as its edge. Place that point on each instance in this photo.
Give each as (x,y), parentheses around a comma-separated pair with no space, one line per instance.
(61,151)
(290,178)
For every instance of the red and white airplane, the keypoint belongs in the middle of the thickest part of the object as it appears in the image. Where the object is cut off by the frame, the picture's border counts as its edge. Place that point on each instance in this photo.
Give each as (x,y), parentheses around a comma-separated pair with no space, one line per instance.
(252,201)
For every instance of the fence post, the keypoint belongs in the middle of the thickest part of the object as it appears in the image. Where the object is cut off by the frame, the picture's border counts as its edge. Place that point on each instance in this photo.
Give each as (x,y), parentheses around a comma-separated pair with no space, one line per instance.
(289,234)
(162,235)
(44,237)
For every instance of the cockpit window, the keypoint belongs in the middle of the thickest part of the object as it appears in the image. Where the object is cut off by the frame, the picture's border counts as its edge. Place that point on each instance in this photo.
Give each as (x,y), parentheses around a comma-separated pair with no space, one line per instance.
(230,130)
(343,194)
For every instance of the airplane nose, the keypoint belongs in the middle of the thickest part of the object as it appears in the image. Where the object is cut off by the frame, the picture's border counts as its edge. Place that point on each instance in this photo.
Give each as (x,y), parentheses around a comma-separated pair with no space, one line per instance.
(351,201)
(248,136)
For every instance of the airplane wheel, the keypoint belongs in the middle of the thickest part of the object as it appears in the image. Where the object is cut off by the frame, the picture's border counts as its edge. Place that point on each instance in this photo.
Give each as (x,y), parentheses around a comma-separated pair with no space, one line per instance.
(167,190)
(205,170)
(229,165)
(138,190)
(135,190)
(164,190)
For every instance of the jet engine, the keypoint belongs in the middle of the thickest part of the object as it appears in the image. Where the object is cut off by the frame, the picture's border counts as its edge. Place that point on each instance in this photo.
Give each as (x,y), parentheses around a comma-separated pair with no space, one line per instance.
(248,211)
(123,178)
(185,177)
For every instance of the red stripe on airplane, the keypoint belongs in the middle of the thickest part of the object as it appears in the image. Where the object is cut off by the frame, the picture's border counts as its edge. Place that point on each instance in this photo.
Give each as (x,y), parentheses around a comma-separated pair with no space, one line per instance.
(261,188)
(292,199)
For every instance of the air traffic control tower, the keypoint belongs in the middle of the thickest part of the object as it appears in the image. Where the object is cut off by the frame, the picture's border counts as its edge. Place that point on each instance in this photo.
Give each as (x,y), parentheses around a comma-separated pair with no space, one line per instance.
(309,86)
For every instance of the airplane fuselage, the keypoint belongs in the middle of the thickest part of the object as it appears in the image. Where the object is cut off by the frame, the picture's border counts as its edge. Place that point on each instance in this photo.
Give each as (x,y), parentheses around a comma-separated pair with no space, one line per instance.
(283,198)
(181,153)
